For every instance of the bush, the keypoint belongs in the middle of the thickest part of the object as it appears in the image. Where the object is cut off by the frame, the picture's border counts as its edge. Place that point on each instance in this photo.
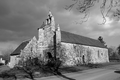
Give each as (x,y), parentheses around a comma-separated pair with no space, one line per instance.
(1,64)
(53,64)
(94,65)
(91,65)
(31,65)
(8,74)
(34,64)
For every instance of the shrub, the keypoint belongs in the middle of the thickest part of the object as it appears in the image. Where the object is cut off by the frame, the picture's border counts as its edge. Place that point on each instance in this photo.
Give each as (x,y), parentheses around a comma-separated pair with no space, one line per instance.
(8,74)
(53,64)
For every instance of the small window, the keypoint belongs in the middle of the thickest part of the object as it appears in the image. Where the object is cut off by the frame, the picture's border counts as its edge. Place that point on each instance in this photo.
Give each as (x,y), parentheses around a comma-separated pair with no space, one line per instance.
(98,54)
(102,54)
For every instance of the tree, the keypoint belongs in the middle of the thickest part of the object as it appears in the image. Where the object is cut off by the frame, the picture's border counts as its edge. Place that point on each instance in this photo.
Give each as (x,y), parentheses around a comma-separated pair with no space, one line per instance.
(113,55)
(29,67)
(6,55)
(106,7)
(118,48)
(101,40)
(111,50)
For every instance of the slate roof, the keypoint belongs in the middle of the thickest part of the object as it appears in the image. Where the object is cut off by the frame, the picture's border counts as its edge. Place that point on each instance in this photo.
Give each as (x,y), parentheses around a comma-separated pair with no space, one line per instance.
(19,48)
(68,38)
(78,39)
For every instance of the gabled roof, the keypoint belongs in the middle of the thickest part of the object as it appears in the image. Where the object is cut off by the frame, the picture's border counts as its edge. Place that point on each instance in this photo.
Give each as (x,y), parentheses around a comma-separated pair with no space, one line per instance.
(68,38)
(78,39)
(19,48)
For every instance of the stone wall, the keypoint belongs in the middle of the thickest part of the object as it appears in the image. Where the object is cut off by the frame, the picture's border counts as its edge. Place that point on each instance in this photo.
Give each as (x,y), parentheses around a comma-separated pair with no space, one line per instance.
(12,61)
(45,42)
(73,54)
(30,50)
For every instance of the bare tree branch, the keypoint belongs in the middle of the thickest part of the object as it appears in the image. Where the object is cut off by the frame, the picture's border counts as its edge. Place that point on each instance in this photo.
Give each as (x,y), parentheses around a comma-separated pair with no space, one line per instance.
(83,19)
(84,6)
(110,7)
(72,5)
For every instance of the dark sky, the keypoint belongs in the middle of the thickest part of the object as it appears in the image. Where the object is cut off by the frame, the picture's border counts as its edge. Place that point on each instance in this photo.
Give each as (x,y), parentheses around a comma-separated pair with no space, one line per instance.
(19,20)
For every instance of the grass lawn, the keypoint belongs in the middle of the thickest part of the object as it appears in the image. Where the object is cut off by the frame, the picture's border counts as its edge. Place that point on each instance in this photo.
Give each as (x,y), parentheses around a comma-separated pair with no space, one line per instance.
(20,74)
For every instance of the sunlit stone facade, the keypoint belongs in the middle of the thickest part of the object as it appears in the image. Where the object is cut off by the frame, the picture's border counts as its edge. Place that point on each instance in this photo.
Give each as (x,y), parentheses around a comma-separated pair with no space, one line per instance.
(81,54)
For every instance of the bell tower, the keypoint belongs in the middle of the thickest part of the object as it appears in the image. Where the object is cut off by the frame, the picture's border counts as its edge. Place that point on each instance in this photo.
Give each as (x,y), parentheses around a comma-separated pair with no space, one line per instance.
(50,21)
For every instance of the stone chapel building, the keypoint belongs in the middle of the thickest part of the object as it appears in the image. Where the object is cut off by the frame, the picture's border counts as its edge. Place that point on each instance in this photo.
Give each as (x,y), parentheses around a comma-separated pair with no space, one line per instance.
(71,48)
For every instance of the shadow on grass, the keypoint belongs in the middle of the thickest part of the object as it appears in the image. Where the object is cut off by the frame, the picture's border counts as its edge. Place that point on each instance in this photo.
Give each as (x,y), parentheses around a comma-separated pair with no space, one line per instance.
(6,74)
(63,76)
(90,65)
(117,71)
(70,69)
(49,72)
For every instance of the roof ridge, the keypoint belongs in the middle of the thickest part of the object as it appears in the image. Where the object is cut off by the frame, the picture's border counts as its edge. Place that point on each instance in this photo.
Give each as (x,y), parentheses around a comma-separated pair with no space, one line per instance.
(26,40)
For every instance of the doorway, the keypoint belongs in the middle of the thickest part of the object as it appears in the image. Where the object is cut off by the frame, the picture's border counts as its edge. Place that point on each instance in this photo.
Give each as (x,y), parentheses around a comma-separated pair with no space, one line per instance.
(83,59)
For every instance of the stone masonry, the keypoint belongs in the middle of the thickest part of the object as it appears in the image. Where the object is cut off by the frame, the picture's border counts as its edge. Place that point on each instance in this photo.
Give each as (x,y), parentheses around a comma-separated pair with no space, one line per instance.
(69,53)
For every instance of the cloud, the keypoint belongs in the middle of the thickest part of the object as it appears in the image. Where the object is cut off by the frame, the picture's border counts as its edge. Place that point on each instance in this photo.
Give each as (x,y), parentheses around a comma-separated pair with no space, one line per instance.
(4,8)
(19,20)
(8,45)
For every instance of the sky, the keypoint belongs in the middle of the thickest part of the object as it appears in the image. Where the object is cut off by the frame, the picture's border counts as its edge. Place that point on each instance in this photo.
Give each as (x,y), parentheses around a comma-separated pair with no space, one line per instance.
(19,20)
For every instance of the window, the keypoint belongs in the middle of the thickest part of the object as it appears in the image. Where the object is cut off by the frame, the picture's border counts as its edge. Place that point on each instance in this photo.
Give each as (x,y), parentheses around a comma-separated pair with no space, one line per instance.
(102,54)
(98,54)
